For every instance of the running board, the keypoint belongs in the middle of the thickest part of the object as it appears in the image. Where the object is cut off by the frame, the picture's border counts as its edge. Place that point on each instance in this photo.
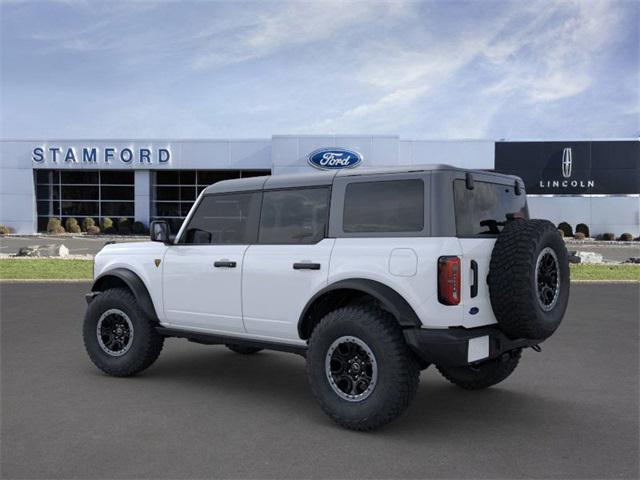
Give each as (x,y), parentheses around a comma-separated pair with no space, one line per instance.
(215,339)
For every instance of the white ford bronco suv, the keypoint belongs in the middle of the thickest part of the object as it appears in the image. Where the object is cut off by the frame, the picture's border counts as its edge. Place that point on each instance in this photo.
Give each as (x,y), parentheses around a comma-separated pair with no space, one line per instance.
(372,275)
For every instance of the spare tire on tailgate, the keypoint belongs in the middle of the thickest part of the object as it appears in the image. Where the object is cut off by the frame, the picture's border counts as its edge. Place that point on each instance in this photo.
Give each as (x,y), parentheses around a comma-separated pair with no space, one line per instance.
(529,279)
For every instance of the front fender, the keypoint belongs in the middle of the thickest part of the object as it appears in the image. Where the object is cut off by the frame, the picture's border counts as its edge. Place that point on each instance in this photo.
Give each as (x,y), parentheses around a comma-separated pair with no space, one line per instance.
(116,277)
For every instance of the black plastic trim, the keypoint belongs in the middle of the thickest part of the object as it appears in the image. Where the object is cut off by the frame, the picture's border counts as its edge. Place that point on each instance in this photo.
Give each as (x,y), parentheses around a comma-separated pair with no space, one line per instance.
(306,266)
(449,347)
(389,298)
(135,284)
(474,287)
(216,339)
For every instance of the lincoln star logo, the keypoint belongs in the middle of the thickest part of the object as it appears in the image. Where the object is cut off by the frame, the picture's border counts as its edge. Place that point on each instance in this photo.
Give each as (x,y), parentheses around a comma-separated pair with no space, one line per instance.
(567,160)
(334,158)
(157,262)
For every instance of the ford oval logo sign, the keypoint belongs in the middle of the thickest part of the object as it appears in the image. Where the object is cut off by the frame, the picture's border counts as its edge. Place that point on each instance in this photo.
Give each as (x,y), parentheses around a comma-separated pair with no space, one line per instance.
(334,158)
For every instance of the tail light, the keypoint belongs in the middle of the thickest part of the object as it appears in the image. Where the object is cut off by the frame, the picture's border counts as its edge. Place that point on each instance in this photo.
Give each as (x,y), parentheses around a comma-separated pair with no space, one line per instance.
(449,280)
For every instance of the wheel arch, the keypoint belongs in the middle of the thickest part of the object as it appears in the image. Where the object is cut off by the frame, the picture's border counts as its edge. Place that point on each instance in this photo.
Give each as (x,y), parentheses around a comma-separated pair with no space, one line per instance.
(125,278)
(346,291)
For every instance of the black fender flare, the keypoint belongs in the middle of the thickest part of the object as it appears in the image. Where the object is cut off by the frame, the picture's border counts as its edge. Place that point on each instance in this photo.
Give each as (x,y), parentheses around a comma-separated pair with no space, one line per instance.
(133,282)
(391,300)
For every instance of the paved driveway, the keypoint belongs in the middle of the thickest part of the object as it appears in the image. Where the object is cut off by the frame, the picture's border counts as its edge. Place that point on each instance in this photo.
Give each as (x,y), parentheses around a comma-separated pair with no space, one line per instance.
(569,412)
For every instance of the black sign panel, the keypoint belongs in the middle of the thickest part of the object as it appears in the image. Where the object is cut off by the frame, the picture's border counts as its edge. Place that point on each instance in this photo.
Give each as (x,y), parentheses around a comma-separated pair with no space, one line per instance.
(598,167)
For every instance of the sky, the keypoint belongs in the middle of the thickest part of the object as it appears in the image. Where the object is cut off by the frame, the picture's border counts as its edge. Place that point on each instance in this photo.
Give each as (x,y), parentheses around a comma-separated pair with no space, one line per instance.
(420,70)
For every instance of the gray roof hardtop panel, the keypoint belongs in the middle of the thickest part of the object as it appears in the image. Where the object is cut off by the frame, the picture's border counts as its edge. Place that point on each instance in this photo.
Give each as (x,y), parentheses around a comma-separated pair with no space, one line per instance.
(399,169)
(326,178)
(237,185)
(300,180)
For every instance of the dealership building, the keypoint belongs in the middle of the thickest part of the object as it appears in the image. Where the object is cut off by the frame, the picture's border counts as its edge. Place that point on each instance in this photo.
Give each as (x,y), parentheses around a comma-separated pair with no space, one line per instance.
(596,182)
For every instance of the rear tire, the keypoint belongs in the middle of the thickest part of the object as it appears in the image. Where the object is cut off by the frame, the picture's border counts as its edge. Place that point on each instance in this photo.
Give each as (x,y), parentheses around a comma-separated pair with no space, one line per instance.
(242,349)
(119,338)
(385,380)
(483,375)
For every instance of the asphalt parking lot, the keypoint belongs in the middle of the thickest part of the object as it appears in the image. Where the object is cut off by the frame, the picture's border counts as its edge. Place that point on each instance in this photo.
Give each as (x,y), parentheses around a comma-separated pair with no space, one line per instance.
(201,411)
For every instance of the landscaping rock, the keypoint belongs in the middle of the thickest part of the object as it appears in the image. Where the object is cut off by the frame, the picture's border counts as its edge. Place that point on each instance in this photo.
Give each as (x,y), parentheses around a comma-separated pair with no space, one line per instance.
(632,260)
(573,258)
(53,250)
(589,257)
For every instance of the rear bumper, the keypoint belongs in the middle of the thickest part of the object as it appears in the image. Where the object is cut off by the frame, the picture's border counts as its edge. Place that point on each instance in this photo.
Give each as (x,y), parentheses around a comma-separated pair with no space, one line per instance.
(454,347)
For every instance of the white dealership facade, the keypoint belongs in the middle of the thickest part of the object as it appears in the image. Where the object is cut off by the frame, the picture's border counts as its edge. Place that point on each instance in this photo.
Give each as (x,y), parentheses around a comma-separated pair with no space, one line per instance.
(147,179)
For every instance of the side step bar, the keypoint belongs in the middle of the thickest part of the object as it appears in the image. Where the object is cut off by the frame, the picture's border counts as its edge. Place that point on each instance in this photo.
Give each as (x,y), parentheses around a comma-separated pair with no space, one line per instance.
(215,339)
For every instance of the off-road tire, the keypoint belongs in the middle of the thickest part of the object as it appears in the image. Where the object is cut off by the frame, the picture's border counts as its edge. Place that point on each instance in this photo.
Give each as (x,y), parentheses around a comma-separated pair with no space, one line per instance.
(398,372)
(242,349)
(486,374)
(512,279)
(145,345)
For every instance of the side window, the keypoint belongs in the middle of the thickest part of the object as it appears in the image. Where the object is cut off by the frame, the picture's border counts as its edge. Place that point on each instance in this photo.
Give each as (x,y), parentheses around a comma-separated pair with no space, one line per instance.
(295,216)
(384,206)
(224,219)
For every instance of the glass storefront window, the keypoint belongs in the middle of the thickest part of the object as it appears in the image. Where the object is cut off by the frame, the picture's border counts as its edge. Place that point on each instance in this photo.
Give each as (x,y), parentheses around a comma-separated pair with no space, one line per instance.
(80,194)
(174,192)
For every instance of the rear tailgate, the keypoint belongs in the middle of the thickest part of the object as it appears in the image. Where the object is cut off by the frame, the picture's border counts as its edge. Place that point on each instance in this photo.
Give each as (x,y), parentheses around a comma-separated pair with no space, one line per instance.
(476,257)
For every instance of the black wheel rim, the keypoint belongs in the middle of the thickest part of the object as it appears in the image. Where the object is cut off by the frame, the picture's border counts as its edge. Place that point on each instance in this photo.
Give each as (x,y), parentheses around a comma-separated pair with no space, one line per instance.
(547,279)
(351,368)
(114,332)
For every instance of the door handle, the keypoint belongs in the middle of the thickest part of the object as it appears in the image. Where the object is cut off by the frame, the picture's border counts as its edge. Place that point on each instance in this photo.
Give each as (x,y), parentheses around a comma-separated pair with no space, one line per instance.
(474,271)
(306,266)
(224,263)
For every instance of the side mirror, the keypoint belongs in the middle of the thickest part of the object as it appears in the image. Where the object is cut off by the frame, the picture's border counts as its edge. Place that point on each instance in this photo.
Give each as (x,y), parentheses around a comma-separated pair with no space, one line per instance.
(160,231)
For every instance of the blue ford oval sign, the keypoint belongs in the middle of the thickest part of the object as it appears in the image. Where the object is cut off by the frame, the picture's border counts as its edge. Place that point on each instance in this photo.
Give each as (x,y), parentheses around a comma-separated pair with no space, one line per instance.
(334,158)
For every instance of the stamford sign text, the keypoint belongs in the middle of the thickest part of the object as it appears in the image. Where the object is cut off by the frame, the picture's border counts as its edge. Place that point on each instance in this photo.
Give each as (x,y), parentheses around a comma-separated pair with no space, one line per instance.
(89,155)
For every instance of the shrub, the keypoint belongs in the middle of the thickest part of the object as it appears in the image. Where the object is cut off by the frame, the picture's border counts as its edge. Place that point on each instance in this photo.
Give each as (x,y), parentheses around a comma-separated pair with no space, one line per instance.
(93,230)
(583,228)
(57,230)
(124,226)
(608,236)
(138,228)
(88,222)
(626,237)
(566,228)
(561,233)
(71,225)
(52,224)
(4,230)
(107,225)
(579,236)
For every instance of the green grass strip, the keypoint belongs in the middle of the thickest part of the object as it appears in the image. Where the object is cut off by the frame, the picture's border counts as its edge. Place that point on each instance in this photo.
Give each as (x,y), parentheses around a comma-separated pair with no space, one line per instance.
(605,272)
(49,269)
(45,269)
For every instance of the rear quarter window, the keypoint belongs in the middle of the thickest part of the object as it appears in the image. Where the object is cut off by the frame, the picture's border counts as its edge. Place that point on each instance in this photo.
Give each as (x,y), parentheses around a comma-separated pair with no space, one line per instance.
(484,210)
(384,206)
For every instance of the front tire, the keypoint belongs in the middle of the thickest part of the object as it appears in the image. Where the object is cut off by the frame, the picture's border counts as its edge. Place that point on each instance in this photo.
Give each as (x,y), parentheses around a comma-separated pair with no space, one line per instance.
(119,338)
(484,375)
(360,369)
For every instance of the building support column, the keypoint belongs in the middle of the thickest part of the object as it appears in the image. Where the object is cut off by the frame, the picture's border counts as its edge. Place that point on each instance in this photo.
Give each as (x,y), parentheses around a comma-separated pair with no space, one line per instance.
(142,196)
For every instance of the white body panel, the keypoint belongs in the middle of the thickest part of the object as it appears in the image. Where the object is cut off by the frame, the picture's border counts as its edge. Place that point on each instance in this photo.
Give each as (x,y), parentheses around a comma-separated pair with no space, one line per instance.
(139,258)
(263,297)
(199,295)
(274,294)
(478,249)
(376,259)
